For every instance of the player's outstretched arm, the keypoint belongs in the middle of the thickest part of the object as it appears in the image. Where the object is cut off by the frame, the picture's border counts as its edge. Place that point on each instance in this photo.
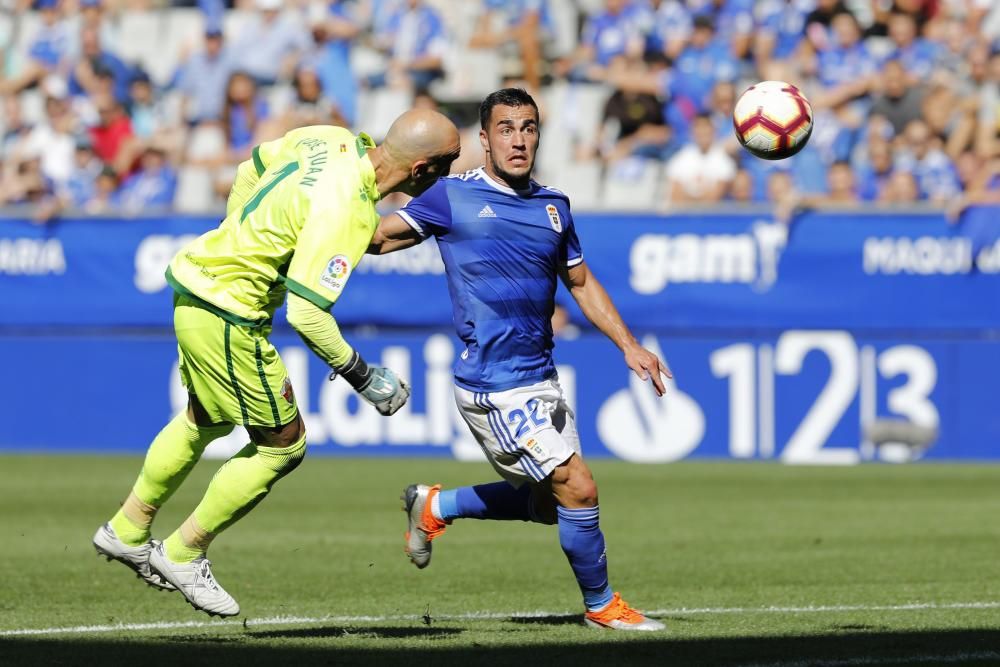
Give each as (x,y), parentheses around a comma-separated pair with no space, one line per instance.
(317,328)
(595,303)
(393,234)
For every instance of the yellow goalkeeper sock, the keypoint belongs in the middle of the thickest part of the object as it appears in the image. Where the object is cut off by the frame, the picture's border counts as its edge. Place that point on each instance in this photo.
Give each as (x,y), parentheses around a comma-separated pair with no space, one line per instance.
(170,458)
(239,485)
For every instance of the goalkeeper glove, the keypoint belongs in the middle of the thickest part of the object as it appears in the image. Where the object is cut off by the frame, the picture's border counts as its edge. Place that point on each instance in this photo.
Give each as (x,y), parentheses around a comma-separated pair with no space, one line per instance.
(377,385)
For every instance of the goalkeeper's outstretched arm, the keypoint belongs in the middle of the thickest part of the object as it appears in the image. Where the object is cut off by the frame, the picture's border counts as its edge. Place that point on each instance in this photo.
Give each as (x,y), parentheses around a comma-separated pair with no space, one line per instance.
(319,331)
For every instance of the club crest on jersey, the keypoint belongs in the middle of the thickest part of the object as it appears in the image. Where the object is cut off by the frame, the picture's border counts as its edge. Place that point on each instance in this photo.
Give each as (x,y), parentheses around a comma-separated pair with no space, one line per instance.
(336,273)
(286,391)
(554,217)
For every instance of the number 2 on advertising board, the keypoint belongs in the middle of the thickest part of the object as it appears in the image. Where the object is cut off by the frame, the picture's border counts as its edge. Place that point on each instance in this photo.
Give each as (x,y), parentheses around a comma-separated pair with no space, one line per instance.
(751,413)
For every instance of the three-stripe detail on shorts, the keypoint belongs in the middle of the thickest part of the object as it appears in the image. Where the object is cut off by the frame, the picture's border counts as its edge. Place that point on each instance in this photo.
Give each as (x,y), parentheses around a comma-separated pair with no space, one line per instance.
(506,440)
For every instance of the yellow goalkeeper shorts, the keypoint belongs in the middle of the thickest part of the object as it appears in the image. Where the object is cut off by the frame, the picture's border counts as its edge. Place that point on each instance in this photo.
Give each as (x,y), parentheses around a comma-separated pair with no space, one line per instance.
(234,370)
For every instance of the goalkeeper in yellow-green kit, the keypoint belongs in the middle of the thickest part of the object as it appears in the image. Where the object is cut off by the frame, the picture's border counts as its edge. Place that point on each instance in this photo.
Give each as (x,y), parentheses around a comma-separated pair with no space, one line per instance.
(300,216)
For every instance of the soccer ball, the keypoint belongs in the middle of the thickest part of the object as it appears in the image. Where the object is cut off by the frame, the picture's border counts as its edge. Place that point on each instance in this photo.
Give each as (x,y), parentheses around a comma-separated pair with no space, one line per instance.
(773,120)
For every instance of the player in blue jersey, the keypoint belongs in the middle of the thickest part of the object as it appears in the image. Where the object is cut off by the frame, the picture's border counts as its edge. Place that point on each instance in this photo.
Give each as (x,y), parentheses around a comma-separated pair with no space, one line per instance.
(505,240)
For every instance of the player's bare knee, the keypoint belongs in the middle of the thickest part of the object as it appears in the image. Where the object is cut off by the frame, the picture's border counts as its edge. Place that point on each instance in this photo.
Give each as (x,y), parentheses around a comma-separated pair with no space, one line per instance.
(572,484)
(584,492)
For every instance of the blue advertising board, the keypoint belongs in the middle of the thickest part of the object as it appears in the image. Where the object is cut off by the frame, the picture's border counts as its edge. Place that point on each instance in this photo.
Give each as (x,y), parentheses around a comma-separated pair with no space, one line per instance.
(798,397)
(787,343)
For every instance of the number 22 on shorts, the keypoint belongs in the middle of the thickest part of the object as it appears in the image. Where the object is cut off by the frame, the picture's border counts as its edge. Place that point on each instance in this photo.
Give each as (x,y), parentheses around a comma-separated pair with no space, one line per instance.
(525,420)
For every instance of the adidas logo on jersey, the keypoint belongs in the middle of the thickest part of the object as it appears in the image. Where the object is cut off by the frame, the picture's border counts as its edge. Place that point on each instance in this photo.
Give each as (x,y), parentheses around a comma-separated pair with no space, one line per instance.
(487,212)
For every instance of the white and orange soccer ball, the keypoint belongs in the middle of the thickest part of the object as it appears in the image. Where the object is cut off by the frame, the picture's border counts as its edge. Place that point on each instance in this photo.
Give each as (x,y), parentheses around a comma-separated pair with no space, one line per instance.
(773,120)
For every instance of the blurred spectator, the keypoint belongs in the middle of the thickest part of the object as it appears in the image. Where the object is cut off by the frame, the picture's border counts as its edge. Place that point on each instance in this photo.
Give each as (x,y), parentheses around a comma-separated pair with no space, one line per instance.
(81,185)
(48,51)
(93,17)
(954,52)
(779,185)
(308,104)
(950,122)
(917,55)
(105,197)
(984,17)
(663,24)
(840,192)
(271,42)
(52,139)
(742,188)
(901,188)
(524,23)
(331,61)
(95,62)
(703,63)
(873,175)
(836,132)
(415,41)
(897,100)
(152,186)
(203,78)
(988,132)
(819,21)
(921,11)
(733,21)
(981,182)
(845,66)
(636,121)
(15,128)
(243,113)
(26,184)
(608,37)
(148,115)
(112,135)
(969,168)
(781,27)
(702,170)
(782,195)
(933,171)
(841,185)
(721,104)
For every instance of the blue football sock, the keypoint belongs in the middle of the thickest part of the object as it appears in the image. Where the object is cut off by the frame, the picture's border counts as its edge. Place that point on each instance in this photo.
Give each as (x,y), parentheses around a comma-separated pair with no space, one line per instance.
(583,543)
(498,501)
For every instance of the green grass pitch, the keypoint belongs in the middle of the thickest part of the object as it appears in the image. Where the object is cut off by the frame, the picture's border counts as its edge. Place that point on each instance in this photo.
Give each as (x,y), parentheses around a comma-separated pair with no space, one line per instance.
(748,564)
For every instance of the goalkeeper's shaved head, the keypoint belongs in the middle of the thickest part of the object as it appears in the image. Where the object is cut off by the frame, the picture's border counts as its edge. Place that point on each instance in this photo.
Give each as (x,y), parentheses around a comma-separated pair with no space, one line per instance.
(420,146)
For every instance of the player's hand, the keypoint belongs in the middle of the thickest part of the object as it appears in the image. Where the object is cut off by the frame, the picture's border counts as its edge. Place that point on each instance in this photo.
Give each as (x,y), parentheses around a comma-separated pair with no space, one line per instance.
(647,365)
(387,392)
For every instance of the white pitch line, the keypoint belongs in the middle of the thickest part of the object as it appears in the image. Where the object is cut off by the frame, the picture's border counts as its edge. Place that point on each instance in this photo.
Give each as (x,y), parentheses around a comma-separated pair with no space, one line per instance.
(961,658)
(476,616)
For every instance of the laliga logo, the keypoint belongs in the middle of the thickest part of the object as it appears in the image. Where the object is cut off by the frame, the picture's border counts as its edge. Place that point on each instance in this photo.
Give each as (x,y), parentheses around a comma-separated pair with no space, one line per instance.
(639,427)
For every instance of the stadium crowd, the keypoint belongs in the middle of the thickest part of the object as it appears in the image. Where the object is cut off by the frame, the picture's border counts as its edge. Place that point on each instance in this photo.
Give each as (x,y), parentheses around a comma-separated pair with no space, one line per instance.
(128,107)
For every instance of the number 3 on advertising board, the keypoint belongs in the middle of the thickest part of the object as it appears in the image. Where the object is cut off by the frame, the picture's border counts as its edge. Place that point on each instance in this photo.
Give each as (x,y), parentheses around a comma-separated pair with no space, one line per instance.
(751,412)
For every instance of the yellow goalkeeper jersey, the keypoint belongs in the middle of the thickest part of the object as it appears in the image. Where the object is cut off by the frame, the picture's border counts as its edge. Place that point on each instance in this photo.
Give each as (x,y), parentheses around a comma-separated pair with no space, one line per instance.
(299,218)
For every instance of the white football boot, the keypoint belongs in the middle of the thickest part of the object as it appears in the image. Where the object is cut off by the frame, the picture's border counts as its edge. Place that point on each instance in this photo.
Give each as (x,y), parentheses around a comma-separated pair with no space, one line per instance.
(108,544)
(422,525)
(195,581)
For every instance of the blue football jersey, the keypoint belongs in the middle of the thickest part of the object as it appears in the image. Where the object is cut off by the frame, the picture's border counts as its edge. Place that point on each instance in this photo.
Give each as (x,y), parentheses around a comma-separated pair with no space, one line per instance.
(502,250)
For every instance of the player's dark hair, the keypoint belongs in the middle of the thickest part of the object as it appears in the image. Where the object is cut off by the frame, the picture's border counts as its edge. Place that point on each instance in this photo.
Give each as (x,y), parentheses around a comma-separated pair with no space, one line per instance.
(506,97)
